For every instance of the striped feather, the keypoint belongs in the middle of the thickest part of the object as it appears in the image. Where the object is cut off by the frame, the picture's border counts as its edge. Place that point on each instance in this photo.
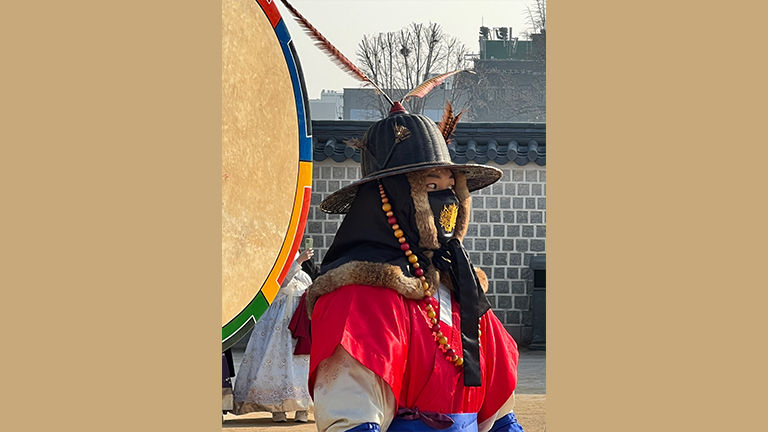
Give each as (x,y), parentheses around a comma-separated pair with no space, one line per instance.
(335,55)
(429,84)
(449,122)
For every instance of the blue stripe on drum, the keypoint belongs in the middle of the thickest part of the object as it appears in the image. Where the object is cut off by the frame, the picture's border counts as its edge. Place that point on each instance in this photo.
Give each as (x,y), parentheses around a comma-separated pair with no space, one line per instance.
(299,92)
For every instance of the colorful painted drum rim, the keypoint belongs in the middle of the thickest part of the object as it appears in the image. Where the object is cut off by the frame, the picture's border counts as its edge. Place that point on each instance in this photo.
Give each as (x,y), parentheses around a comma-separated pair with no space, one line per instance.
(238,326)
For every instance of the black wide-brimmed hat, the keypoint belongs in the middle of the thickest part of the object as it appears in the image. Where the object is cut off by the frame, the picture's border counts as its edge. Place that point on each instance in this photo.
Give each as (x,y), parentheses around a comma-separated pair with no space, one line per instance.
(403,143)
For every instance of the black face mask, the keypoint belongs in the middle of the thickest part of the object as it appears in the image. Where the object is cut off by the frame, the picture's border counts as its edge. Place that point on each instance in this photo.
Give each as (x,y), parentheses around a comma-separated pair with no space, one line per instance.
(445,208)
(452,259)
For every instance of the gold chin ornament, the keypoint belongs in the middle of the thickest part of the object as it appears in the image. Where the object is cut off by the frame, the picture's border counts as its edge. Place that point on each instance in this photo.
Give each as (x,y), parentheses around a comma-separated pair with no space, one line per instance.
(448,217)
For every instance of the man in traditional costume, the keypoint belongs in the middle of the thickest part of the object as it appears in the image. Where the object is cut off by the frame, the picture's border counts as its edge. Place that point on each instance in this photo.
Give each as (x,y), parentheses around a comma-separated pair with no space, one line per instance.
(403,338)
(403,335)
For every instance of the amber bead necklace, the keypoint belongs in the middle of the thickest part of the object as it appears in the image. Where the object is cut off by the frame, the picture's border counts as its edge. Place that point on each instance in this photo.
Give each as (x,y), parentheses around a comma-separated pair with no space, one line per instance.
(430,303)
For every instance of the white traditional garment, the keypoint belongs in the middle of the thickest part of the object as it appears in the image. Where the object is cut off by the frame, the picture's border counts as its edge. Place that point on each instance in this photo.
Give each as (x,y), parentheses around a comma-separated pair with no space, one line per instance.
(348,395)
(271,378)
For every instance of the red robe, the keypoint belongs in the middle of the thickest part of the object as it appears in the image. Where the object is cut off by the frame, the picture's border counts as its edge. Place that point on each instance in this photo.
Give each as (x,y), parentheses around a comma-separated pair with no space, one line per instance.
(390,335)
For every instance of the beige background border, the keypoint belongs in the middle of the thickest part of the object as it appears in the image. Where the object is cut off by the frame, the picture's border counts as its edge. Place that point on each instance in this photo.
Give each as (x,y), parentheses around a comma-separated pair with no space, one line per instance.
(111,216)
(653,169)
(112,202)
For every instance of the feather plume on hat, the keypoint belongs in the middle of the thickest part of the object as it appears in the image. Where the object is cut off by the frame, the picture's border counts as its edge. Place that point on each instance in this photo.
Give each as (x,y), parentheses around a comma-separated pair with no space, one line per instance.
(347,66)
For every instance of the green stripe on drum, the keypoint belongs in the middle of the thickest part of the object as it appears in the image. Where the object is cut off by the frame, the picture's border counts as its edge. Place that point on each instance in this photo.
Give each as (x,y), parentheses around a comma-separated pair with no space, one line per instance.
(243,322)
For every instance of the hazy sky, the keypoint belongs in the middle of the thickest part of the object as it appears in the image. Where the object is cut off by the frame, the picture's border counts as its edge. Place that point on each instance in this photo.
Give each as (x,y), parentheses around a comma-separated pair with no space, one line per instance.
(344,22)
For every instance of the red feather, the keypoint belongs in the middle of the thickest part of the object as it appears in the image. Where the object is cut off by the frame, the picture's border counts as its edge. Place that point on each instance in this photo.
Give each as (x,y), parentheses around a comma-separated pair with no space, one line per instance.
(325,45)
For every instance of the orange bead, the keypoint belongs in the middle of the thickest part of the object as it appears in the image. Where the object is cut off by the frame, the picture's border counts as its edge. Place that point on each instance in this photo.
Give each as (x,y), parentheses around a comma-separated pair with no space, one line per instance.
(386,207)
(424,285)
(390,214)
(459,361)
(401,239)
(395,227)
(422,278)
(439,334)
(415,265)
(413,258)
(408,252)
(433,321)
(454,358)
(443,340)
(385,200)
(431,313)
(399,233)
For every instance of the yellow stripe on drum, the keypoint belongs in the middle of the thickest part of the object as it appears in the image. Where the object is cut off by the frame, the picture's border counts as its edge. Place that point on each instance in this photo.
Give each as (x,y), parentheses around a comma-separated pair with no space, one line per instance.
(295,231)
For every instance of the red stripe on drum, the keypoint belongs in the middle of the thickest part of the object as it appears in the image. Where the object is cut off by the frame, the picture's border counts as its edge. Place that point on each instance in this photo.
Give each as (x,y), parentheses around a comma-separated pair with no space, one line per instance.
(270,9)
(299,232)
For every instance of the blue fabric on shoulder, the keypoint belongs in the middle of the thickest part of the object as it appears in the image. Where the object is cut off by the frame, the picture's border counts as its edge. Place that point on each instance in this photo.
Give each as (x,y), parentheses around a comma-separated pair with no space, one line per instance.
(508,423)
(365,427)
(464,422)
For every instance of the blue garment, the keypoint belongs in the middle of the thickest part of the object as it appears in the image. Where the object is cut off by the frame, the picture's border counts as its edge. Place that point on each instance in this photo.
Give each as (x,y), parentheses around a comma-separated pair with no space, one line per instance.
(465,422)
(508,423)
(365,427)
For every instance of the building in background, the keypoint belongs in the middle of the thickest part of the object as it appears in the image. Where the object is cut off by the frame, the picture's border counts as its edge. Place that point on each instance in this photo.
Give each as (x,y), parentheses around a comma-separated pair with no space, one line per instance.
(365,104)
(509,83)
(328,107)
(361,104)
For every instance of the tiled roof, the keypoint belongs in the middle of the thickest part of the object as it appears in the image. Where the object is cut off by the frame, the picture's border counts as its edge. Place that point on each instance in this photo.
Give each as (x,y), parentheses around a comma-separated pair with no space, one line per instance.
(503,143)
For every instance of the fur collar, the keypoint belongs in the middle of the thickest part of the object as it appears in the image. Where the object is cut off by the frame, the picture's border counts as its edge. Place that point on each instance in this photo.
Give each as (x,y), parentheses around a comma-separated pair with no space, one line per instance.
(381,275)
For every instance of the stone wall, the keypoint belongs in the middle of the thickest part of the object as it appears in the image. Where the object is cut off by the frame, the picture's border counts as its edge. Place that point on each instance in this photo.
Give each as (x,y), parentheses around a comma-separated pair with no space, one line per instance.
(508,227)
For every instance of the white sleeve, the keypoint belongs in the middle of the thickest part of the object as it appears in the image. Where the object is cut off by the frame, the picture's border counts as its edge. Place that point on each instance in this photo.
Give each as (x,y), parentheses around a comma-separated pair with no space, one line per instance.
(504,410)
(348,394)
(295,267)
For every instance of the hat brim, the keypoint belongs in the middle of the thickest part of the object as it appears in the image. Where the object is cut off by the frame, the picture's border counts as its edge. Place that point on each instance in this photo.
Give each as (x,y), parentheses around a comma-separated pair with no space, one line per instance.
(478,177)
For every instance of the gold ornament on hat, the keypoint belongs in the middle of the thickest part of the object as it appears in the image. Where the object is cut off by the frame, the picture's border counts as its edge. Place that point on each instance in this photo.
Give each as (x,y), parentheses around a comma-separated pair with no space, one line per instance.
(448,217)
(401,133)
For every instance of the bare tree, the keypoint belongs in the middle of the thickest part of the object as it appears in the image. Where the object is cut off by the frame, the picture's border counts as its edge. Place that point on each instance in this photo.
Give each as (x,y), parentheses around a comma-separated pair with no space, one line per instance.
(537,18)
(399,61)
